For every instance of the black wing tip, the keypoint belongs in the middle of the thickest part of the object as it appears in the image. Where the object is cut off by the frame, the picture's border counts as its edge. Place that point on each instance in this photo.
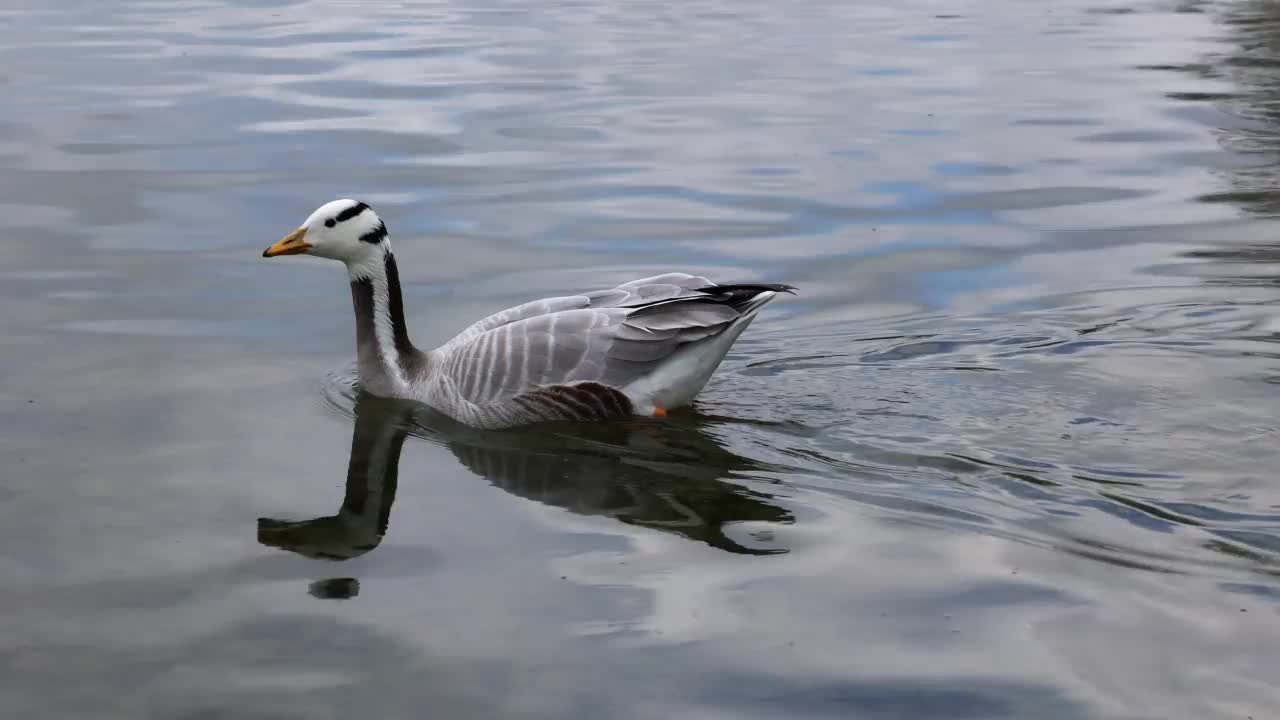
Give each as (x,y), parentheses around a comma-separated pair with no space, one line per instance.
(750,287)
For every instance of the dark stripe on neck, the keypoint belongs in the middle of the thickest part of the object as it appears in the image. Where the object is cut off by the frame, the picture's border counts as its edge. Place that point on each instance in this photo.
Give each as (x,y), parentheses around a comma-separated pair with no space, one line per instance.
(369,361)
(362,298)
(373,372)
(376,235)
(395,307)
(351,212)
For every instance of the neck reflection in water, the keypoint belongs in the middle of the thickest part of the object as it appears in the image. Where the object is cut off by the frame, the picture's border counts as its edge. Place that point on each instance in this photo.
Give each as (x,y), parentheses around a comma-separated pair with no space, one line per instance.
(671,476)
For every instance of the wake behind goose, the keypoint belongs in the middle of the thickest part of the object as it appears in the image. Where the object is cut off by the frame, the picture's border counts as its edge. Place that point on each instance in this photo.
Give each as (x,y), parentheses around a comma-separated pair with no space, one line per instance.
(641,348)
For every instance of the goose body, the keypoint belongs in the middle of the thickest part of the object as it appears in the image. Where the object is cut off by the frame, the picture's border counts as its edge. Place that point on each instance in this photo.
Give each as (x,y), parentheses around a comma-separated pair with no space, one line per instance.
(641,348)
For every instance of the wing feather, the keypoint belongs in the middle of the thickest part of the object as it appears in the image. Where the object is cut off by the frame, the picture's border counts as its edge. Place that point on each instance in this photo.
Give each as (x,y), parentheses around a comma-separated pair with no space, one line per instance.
(612,336)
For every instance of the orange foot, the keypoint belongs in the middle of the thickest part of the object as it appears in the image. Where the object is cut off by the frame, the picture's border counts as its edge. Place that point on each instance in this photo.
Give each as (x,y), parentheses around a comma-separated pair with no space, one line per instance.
(659,412)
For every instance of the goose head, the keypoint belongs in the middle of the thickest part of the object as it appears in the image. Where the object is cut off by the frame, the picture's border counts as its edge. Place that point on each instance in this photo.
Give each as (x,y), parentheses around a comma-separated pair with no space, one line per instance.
(346,230)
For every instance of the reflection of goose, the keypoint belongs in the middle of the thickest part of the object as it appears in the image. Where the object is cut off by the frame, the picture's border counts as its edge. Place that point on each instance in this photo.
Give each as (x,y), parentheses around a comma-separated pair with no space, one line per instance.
(667,476)
(641,348)
(380,429)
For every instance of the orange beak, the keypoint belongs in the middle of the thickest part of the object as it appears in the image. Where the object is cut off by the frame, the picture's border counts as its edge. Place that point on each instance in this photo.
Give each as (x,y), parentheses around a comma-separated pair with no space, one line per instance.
(291,244)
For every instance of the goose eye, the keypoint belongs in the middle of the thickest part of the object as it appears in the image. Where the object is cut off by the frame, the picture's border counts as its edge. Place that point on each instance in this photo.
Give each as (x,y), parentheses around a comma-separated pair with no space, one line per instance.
(329,223)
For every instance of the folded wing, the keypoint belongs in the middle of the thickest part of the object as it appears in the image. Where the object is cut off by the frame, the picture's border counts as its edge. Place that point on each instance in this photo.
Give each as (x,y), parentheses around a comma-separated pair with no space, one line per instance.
(610,336)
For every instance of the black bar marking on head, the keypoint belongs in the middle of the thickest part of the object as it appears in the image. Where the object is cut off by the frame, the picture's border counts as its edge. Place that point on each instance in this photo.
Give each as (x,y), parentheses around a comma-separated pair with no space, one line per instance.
(351,212)
(376,235)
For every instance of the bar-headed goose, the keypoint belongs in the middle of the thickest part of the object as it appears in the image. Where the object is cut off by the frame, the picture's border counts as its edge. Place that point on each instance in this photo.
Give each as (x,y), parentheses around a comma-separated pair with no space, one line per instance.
(642,348)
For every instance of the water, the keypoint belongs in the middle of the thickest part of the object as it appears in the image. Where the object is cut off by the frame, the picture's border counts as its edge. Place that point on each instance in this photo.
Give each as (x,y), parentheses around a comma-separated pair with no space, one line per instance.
(1010,453)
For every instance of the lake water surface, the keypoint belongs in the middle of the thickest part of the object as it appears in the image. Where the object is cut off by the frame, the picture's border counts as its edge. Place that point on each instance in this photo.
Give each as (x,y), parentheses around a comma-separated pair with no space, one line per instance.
(1010,453)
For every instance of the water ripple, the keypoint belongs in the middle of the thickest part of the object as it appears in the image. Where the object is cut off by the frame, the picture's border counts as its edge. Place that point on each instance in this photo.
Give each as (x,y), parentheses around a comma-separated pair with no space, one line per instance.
(1028,382)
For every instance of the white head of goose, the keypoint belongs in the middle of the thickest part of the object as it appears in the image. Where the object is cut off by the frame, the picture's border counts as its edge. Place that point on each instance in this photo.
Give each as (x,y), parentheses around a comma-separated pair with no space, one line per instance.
(642,348)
